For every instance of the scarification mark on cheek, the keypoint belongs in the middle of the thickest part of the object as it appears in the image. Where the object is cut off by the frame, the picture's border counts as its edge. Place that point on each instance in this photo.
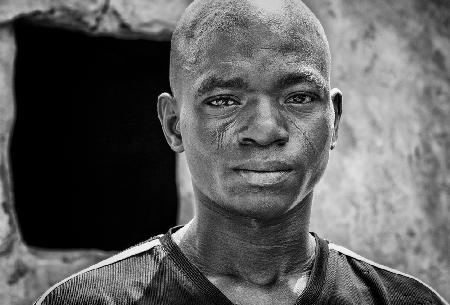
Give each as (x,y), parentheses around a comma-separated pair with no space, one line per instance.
(214,135)
(223,132)
(219,135)
(310,143)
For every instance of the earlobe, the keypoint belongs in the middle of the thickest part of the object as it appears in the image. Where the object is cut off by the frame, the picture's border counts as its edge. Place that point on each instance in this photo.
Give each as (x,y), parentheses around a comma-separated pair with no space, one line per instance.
(336,98)
(170,121)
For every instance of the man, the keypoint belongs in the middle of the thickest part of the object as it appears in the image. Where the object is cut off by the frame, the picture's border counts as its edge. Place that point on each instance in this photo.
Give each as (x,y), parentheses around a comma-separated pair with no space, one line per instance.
(253,110)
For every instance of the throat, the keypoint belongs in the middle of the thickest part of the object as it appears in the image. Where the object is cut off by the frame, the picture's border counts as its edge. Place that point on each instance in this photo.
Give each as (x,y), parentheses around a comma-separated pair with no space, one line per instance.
(240,259)
(268,269)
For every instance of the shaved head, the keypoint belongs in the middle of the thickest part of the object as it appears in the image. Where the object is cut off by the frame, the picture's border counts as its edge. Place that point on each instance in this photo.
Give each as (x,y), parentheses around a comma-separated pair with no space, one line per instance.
(207,27)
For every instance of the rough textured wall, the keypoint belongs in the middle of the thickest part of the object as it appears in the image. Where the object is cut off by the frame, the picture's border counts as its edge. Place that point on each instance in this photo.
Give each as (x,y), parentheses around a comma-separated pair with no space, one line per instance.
(154,19)
(386,190)
(25,273)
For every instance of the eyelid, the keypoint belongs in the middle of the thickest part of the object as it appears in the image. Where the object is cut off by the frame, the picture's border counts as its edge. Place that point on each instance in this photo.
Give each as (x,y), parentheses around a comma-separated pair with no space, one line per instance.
(224,96)
(313,96)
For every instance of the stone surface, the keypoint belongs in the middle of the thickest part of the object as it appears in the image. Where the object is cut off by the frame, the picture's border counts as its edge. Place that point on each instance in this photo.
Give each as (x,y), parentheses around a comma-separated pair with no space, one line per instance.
(386,191)
(154,19)
(8,226)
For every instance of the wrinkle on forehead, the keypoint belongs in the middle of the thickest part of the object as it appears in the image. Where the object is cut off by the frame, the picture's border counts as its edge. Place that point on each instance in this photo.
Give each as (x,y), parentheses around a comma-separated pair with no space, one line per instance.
(209,26)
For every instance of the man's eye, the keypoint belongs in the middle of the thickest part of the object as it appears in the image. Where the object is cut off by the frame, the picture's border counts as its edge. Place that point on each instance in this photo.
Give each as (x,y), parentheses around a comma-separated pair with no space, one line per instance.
(300,99)
(222,102)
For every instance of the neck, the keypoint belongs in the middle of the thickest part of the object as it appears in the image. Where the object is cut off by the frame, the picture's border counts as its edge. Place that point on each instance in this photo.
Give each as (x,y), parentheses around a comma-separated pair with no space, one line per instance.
(261,252)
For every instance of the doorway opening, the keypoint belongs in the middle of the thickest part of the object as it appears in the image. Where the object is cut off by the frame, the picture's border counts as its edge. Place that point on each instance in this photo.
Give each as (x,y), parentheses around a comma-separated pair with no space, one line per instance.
(91,167)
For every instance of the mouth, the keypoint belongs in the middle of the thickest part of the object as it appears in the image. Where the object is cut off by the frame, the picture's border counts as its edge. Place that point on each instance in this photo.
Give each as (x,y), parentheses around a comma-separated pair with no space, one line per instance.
(264,173)
(263,178)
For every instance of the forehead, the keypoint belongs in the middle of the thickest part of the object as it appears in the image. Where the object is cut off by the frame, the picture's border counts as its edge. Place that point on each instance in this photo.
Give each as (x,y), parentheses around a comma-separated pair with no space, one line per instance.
(258,35)
(264,58)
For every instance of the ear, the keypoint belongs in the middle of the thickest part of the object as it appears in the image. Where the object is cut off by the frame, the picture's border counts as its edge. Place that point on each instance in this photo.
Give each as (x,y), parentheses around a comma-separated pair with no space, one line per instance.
(336,98)
(170,121)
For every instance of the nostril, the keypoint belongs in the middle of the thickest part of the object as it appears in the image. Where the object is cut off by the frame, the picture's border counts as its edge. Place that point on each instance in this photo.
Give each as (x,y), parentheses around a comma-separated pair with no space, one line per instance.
(264,131)
(259,142)
(247,141)
(281,142)
(264,136)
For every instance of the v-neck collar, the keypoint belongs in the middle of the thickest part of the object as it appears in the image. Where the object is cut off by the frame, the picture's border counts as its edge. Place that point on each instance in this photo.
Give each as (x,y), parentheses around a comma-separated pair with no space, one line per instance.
(309,295)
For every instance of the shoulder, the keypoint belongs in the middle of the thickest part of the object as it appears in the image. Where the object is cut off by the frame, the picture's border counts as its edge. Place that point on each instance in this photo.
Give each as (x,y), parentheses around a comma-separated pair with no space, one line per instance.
(107,273)
(394,284)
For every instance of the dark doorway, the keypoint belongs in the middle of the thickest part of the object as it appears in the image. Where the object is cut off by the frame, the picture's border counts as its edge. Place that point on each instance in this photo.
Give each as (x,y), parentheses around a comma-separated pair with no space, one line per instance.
(91,168)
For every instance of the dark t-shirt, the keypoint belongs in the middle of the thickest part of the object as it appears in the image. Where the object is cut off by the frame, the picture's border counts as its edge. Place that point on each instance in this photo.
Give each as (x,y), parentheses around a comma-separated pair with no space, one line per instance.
(157,272)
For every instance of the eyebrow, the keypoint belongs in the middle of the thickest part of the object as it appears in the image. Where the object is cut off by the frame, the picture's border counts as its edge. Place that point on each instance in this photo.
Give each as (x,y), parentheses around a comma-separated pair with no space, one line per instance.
(213,82)
(294,78)
(287,80)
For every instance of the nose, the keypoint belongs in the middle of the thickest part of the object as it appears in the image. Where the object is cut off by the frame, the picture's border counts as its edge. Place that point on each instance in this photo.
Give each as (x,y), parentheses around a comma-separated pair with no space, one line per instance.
(265,125)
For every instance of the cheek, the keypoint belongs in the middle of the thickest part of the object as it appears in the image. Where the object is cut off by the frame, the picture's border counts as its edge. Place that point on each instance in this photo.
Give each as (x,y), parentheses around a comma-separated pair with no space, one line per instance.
(205,141)
(312,142)
(311,137)
(220,134)
(314,131)
(199,158)
(196,137)
(322,131)
(212,134)
(194,143)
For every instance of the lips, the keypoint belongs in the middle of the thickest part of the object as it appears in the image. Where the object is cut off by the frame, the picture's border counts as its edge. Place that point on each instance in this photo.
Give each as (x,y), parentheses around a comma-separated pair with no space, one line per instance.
(264,166)
(264,173)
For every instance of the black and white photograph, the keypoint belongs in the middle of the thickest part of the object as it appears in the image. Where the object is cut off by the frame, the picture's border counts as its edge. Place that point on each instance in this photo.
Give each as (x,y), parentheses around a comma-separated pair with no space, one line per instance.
(247,152)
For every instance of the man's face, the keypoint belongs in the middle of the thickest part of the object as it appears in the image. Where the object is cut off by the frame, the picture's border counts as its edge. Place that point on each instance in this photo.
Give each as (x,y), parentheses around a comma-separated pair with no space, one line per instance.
(256,123)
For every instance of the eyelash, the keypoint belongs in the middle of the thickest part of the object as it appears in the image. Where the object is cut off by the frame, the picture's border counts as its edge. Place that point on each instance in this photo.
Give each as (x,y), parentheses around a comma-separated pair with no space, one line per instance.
(225,99)
(302,95)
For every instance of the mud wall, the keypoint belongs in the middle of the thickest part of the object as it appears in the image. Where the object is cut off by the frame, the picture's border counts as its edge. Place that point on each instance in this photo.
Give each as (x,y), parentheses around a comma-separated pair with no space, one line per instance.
(386,191)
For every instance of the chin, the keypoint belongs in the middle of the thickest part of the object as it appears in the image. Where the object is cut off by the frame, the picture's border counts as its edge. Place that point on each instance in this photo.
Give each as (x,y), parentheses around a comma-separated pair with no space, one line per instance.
(260,206)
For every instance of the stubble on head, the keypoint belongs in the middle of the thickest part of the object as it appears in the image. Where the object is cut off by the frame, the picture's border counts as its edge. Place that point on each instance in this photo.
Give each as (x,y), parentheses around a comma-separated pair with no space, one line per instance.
(208,25)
